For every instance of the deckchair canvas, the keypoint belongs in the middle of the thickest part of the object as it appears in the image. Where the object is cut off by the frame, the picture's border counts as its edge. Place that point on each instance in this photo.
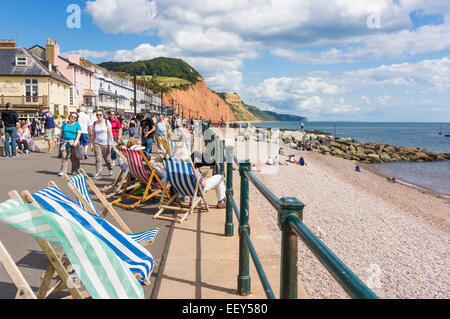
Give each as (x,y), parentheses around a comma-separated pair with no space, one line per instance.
(100,270)
(184,182)
(135,161)
(80,184)
(136,257)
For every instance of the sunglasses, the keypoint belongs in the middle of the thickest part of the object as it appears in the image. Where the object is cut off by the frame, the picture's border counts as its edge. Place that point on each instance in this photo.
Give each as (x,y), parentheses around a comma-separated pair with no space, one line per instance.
(99,115)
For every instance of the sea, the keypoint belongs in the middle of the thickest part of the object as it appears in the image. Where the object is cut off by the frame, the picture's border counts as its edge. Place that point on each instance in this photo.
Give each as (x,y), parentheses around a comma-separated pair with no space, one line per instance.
(434,176)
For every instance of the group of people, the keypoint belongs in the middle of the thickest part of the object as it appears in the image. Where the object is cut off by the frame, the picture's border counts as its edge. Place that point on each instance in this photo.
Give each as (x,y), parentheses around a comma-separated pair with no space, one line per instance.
(275,161)
(15,134)
(77,135)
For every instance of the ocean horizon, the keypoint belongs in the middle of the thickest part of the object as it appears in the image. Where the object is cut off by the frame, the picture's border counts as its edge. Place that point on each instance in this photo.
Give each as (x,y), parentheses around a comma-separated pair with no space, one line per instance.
(433,176)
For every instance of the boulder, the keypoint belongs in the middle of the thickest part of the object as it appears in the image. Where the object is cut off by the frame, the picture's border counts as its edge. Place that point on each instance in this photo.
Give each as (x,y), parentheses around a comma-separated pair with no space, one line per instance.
(373,157)
(385,157)
(324,149)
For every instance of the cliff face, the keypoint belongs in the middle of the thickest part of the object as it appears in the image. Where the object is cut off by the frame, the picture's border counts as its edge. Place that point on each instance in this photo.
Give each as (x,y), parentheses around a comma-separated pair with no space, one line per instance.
(199,98)
(240,111)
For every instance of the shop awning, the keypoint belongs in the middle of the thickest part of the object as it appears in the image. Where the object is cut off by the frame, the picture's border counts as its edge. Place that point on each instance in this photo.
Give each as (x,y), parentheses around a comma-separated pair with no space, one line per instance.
(88,92)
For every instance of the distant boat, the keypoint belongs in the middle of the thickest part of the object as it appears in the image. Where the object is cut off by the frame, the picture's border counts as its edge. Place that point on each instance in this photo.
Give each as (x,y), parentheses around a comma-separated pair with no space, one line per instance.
(440,132)
(447,135)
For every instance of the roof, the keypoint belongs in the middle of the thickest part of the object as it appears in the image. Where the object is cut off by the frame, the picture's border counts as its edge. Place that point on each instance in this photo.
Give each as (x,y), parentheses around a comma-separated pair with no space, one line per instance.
(36,66)
(76,65)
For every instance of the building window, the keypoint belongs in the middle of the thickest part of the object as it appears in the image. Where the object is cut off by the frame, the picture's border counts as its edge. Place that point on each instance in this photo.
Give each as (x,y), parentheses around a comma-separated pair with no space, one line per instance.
(31,90)
(21,61)
(72,96)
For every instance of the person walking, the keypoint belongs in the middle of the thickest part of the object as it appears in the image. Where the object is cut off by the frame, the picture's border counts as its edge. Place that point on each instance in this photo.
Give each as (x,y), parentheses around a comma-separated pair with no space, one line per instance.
(116,128)
(85,122)
(69,139)
(10,119)
(147,133)
(48,124)
(101,143)
(132,127)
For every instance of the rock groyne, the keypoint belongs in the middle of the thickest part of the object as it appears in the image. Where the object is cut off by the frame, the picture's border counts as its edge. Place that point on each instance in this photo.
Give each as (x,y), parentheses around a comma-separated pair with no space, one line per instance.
(347,148)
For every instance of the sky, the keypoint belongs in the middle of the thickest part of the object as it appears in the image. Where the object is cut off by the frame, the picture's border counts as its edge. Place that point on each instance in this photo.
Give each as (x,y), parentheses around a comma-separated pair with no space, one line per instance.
(328,60)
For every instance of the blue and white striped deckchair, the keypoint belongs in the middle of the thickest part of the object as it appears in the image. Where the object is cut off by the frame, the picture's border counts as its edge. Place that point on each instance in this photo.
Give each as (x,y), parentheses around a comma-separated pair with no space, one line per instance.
(102,273)
(80,185)
(184,181)
(138,259)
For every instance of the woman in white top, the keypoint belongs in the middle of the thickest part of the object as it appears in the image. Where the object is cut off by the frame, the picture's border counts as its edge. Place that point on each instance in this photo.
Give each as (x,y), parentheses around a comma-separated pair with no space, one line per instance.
(102,138)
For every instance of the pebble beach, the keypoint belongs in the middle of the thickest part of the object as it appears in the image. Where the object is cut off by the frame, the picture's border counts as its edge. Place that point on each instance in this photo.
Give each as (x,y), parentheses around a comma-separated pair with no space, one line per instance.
(394,237)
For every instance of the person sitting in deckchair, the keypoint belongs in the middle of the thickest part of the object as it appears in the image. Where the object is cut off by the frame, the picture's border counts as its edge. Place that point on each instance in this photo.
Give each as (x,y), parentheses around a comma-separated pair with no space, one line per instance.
(216,182)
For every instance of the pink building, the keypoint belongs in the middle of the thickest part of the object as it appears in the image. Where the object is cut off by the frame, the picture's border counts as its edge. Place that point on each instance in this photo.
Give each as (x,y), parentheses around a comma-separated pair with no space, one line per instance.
(81,94)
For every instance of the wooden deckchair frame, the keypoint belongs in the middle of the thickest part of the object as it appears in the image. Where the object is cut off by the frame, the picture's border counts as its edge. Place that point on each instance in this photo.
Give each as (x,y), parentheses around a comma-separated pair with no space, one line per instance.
(187,211)
(58,263)
(163,141)
(116,187)
(24,290)
(146,194)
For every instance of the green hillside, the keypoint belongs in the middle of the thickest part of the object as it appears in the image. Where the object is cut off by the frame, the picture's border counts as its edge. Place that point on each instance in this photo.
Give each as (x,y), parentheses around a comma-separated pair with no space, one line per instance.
(159,67)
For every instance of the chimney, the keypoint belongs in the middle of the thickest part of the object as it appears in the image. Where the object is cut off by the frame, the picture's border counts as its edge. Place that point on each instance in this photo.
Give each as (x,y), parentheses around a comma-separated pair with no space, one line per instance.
(52,51)
(7,44)
(74,58)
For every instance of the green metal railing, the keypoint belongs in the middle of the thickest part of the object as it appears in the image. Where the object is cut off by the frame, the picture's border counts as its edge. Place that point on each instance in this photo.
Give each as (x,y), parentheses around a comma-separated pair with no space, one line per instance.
(290,216)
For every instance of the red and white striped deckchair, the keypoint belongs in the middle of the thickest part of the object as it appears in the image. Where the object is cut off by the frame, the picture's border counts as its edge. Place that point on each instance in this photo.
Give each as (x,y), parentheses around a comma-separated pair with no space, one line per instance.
(148,182)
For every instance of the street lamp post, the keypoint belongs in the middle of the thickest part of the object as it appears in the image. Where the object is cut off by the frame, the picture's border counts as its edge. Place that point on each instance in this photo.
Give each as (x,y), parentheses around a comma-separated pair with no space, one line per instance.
(115,98)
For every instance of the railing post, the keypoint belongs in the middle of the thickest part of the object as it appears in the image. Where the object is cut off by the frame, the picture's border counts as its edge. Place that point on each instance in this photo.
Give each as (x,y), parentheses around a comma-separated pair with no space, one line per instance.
(229,227)
(222,158)
(289,247)
(244,258)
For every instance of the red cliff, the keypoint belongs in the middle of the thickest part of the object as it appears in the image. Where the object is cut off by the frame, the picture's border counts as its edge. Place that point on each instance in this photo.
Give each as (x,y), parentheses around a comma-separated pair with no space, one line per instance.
(199,101)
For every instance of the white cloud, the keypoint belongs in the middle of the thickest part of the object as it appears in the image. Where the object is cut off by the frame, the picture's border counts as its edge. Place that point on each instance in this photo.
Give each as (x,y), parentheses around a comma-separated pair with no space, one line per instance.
(127,16)
(311,103)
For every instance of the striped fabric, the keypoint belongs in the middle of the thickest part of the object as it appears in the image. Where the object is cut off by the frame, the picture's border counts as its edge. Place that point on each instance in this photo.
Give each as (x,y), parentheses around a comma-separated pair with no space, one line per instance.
(138,259)
(79,181)
(102,273)
(181,176)
(136,165)
(180,150)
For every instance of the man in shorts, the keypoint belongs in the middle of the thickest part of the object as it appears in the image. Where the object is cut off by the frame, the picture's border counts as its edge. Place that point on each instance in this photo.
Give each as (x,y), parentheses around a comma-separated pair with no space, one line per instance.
(49,125)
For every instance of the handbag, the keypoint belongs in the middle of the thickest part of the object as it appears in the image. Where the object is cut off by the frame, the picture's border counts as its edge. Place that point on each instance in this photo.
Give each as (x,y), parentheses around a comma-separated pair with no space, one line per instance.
(79,152)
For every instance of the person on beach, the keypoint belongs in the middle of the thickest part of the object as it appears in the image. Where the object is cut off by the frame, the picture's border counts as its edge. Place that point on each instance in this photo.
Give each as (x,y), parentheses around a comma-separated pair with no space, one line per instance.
(48,124)
(69,140)
(101,144)
(147,133)
(85,123)
(10,120)
(301,161)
